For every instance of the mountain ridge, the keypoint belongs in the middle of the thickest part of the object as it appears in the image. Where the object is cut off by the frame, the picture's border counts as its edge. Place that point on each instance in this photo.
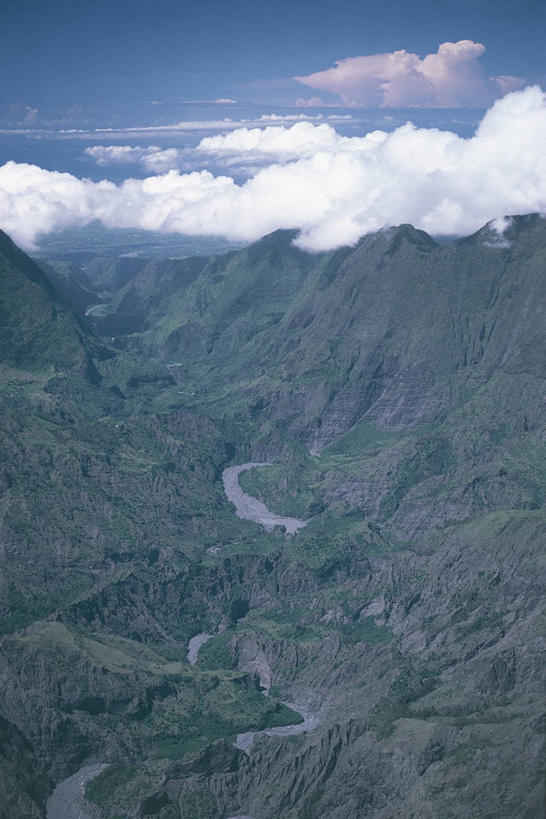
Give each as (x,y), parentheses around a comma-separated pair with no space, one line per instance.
(354,286)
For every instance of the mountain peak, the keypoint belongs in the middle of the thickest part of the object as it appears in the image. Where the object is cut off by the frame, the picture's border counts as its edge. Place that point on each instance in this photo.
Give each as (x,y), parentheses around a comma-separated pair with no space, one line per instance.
(411,234)
(282,237)
(503,230)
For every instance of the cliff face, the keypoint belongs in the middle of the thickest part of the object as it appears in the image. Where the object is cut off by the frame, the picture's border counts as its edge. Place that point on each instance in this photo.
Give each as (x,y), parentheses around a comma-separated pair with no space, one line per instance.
(406,617)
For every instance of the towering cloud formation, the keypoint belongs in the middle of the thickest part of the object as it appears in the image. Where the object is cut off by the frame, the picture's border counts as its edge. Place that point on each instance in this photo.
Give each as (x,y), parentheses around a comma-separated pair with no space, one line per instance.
(333,188)
(451,78)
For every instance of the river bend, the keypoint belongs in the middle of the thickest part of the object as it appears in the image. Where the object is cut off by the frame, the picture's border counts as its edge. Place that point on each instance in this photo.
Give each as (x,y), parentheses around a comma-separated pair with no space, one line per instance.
(251,508)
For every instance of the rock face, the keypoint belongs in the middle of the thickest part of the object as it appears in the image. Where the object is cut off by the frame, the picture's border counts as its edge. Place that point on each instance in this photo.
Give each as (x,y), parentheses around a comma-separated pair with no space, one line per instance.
(405,620)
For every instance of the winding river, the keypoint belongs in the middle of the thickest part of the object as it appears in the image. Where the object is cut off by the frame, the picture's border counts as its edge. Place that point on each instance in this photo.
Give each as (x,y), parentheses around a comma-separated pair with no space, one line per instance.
(67,800)
(195,644)
(251,508)
(244,741)
(310,721)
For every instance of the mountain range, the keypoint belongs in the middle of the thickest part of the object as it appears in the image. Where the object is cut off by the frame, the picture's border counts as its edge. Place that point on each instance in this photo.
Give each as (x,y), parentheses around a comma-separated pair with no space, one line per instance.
(396,391)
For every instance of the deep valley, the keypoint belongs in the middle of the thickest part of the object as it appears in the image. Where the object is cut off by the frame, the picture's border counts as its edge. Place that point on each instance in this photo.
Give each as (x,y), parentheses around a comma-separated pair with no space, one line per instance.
(379,632)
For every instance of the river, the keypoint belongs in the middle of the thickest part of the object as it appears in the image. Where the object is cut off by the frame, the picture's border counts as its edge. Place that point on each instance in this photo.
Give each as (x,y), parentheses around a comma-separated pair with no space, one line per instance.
(244,741)
(195,644)
(67,800)
(251,508)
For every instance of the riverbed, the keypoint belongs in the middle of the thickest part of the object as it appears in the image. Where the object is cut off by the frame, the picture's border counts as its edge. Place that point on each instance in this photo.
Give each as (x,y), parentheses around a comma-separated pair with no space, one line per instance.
(67,800)
(245,741)
(195,644)
(251,508)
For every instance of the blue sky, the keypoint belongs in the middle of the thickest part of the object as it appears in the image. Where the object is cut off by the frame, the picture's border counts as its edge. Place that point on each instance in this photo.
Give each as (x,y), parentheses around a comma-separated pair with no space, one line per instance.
(107,61)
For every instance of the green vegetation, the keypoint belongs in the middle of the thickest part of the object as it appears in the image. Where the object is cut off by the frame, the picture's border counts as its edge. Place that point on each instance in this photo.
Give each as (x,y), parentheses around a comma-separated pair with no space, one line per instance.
(406,616)
(110,781)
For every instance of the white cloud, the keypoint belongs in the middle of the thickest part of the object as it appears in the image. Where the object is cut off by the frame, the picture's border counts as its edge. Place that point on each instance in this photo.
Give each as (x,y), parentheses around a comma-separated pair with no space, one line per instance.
(310,102)
(220,125)
(153,158)
(255,145)
(497,228)
(450,78)
(333,188)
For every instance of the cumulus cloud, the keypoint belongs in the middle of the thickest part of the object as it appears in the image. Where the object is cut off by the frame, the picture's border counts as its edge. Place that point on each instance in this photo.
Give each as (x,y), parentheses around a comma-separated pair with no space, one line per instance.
(256,145)
(332,188)
(450,78)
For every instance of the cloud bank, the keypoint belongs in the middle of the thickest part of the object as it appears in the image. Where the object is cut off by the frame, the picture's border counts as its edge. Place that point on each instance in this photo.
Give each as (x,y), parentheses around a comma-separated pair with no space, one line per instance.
(450,78)
(332,188)
(177,128)
(244,146)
